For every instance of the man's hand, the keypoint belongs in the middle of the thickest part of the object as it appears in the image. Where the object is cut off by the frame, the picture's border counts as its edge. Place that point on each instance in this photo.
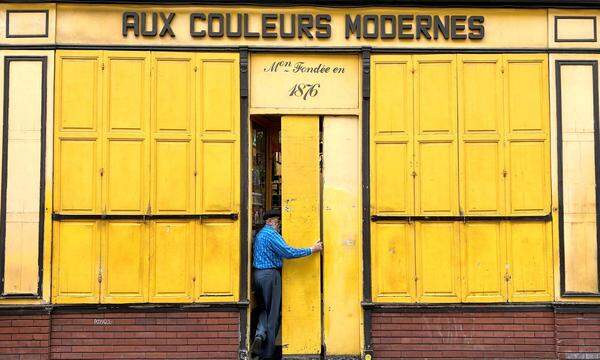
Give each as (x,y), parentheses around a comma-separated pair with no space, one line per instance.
(318,246)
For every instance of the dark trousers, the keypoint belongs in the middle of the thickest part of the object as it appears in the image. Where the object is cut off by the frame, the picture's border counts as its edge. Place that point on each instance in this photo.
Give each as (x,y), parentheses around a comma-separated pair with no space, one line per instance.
(267,286)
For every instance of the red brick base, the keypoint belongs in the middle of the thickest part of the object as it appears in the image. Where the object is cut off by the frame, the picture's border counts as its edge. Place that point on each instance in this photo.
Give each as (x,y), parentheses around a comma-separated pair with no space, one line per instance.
(121,335)
(578,335)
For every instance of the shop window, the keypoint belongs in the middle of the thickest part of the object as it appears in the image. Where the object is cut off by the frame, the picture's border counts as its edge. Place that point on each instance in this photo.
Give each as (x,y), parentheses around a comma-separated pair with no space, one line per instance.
(578,176)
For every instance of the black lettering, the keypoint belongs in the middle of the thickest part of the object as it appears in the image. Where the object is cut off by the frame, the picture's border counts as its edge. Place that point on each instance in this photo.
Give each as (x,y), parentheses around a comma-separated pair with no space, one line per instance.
(133,25)
(402,27)
(305,24)
(456,27)
(211,21)
(352,27)
(388,19)
(438,27)
(231,33)
(323,26)
(267,26)
(374,19)
(193,18)
(423,25)
(167,24)
(477,31)
(152,31)
(292,33)
(247,32)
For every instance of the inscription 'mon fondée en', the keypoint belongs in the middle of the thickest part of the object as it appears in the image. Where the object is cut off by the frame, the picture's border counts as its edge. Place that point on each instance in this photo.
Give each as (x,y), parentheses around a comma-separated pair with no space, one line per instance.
(303,90)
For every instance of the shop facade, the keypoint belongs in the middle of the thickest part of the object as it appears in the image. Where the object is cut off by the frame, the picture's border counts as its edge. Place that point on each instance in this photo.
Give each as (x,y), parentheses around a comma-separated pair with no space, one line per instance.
(447,156)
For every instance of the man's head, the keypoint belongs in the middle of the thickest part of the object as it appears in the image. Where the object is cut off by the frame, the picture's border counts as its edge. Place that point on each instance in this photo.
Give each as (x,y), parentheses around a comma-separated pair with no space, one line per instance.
(272,218)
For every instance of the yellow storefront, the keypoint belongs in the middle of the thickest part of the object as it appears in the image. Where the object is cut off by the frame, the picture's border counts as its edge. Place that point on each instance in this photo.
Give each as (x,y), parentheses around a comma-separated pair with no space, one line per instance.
(446,156)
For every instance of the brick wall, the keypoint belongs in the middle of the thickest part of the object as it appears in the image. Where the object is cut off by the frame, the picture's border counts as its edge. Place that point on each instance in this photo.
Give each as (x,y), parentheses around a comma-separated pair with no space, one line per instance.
(464,334)
(24,336)
(578,335)
(145,335)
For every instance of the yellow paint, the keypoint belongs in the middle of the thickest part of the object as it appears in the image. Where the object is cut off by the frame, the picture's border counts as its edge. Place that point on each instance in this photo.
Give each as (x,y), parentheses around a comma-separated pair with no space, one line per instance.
(393,262)
(529,254)
(392,135)
(301,300)
(173,124)
(483,259)
(124,262)
(76,262)
(217,261)
(342,291)
(292,88)
(171,261)
(157,133)
(526,126)
(481,135)
(437,262)
(435,126)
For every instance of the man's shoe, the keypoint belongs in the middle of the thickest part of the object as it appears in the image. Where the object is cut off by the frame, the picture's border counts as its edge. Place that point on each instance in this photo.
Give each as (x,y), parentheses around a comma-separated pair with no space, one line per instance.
(256,346)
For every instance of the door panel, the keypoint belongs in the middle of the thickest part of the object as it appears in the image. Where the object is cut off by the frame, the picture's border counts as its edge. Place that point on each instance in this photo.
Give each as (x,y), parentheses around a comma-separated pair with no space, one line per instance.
(481,134)
(436,190)
(438,262)
(77,142)
(529,253)
(124,262)
(392,190)
(126,169)
(76,262)
(301,301)
(483,262)
(172,261)
(217,260)
(393,262)
(172,147)
(341,235)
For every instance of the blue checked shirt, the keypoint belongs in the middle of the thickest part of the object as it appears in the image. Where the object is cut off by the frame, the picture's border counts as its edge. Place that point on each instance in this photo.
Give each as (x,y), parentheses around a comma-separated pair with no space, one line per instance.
(270,249)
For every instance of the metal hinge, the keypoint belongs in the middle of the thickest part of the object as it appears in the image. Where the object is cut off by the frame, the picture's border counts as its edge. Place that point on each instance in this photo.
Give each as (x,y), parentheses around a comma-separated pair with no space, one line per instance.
(101,171)
(102,66)
(504,173)
(413,173)
(100,275)
(502,69)
(196,68)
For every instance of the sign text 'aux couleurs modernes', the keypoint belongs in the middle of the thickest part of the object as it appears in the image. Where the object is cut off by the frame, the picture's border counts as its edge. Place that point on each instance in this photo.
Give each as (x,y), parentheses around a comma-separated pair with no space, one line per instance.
(311,26)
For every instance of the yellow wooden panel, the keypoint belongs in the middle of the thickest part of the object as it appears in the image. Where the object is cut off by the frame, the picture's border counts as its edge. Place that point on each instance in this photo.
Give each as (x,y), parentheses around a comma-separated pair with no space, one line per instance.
(393,262)
(529,189)
(124,262)
(77,186)
(436,190)
(78,94)
(126,176)
(217,260)
(391,94)
(436,183)
(172,261)
(437,262)
(579,180)
(218,174)
(341,236)
(75,262)
(301,301)
(173,123)
(527,134)
(173,176)
(22,177)
(77,147)
(126,116)
(529,253)
(480,101)
(393,184)
(483,259)
(219,92)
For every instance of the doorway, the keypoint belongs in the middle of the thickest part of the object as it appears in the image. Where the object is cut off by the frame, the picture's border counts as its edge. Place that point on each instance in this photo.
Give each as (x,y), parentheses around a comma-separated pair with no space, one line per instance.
(309,167)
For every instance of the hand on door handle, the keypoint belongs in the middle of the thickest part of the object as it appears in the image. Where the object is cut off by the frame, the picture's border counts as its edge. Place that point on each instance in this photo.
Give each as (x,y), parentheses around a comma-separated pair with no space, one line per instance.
(318,246)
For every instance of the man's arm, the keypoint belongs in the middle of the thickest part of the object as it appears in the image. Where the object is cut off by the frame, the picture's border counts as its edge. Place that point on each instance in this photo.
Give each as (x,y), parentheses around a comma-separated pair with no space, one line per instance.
(286,251)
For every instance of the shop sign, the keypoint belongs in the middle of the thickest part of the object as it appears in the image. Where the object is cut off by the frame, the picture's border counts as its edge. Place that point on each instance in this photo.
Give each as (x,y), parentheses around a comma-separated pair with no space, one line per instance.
(304,82)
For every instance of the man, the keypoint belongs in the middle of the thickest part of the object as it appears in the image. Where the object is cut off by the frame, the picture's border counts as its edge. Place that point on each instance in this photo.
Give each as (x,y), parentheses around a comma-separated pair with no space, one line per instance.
(269,250)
